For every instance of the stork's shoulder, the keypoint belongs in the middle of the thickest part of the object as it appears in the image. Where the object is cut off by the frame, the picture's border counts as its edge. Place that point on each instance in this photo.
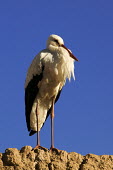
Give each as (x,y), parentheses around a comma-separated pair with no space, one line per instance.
(40,58)
(37,65)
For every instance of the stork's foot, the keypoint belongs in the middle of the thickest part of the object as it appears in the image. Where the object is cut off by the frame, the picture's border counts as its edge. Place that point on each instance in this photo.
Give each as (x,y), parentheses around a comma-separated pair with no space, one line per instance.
(52,149)
(39,147)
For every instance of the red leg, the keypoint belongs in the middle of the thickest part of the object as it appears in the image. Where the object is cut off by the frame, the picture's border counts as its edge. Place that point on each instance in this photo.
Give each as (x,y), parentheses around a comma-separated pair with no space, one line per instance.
(38,133)
(52,126)
(52,148)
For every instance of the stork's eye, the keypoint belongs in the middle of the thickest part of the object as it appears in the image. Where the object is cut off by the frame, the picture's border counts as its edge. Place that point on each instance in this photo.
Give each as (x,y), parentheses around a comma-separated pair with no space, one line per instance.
(56,41)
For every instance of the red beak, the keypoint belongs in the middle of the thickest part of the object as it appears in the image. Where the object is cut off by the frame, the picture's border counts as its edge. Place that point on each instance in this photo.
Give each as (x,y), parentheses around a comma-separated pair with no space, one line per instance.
(71,55)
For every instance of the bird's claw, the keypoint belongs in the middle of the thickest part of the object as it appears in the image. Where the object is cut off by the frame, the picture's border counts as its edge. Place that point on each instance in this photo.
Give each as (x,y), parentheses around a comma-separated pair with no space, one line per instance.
(52,149)
(39,147)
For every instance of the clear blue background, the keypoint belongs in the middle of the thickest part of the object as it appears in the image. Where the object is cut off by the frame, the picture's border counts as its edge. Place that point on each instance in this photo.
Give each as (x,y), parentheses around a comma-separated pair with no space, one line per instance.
(84,113)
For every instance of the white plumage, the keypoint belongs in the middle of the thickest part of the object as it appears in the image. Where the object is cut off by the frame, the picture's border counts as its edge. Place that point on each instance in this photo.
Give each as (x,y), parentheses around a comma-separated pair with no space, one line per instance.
(48,71)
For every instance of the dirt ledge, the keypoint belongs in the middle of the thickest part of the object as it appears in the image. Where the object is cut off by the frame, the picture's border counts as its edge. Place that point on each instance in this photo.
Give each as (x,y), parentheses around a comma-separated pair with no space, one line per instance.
(38,159)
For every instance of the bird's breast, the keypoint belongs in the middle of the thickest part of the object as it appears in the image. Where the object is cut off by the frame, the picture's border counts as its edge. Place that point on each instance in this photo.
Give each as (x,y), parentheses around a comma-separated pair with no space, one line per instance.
(57,69)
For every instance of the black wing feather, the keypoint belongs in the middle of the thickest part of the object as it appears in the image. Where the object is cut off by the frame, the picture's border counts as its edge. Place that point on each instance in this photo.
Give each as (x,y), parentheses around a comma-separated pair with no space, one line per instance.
(31,92)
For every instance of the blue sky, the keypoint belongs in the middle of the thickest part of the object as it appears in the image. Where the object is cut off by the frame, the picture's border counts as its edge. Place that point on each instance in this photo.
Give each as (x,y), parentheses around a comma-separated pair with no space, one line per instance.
(84,112)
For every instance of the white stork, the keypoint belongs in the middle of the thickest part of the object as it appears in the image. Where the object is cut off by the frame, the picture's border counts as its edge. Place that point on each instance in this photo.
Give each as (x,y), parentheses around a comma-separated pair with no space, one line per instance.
(46,76)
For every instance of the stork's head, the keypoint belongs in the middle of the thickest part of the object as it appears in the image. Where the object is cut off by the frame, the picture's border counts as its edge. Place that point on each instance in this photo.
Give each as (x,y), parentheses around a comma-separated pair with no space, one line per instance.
(55,42)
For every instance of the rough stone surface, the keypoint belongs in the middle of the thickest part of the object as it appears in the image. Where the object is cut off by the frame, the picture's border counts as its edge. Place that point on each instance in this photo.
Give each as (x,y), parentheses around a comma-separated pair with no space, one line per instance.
(43,159)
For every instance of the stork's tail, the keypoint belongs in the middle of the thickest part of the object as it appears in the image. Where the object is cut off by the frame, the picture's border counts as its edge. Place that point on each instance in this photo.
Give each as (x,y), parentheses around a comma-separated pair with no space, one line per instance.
(32,133)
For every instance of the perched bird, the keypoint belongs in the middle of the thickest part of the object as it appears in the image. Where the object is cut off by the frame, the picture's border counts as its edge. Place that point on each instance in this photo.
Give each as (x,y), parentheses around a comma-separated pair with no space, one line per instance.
(46,76)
